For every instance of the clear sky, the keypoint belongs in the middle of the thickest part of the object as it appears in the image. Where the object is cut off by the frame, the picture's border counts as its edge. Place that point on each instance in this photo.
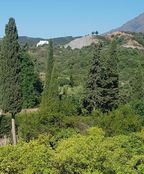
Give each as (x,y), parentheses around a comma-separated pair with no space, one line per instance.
(54,18)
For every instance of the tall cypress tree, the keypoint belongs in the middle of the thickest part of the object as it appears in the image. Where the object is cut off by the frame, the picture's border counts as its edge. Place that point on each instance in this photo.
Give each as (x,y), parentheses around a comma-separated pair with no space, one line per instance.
(102,84)
(10,73)
(48,78)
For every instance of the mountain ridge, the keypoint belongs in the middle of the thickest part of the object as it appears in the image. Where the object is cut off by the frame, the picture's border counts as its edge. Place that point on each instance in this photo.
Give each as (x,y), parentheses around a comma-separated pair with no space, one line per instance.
(32,41)
(134,25)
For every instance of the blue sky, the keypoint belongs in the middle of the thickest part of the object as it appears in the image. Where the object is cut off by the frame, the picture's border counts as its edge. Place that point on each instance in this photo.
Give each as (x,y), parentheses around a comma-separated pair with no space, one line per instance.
(54,18)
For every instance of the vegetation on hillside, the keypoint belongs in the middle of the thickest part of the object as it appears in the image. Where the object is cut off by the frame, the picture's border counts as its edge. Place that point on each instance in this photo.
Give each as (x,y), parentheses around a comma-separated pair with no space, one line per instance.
(91,115)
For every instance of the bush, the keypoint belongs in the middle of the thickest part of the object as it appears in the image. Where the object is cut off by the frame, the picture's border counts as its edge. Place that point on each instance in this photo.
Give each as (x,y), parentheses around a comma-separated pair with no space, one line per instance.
(138,107)
(94,153)
(29,126)
(91,153)
(5,125)
(123,120)
(120,121)
(25,158)
(63,81)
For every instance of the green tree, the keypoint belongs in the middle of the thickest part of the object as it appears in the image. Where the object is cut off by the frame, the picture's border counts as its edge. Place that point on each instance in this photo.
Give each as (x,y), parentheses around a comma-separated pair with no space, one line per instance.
(137,84)
(10,70)
(48,77)
(92,86)
(31,85)
(102,84)
(96,32)
(110,90)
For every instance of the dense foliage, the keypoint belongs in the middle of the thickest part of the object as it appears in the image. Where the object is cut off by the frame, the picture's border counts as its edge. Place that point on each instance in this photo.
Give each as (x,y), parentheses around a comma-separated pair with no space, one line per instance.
(10,74)
(103,82)
(78,62)
(91,117)
(79,154)
(31,84)
(10,70)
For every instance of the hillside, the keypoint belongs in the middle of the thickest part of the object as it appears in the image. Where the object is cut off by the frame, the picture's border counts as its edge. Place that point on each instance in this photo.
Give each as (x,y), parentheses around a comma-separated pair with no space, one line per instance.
(57,41)
(82,42)
(71,97)
(125,39)
(77,61)
(134,25)
(32,41)
(128,39)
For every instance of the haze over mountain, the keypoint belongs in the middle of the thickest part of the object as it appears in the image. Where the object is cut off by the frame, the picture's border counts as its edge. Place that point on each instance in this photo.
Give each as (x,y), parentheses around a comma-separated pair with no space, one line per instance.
(134,25)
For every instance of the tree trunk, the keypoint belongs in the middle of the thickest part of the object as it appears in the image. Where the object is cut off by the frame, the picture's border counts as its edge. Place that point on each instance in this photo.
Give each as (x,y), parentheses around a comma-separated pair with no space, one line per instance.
(14,130)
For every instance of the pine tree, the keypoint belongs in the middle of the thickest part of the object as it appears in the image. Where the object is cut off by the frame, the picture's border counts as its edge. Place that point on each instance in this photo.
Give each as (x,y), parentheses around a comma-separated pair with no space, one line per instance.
(47,93)
(102,84)
(110,81)
(93,83)
(10,73)
(31,85)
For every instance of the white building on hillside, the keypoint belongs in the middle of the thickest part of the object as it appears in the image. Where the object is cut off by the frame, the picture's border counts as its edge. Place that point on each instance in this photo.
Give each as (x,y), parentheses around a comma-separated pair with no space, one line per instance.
(42,42)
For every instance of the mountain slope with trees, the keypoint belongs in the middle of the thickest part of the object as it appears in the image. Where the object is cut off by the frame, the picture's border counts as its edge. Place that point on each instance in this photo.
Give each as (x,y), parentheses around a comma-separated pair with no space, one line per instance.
(91,115)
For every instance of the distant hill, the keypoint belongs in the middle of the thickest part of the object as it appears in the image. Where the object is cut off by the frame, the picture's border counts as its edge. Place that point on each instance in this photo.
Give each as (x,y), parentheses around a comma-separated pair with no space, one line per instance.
(85,41)
(30,40)
(33,41)
(134,25)
(64,40)
(82,42)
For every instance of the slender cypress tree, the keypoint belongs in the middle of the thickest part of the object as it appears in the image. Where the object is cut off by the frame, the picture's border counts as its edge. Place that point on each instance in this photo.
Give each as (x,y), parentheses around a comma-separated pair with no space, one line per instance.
(48,78)
(10,74)
(49,68)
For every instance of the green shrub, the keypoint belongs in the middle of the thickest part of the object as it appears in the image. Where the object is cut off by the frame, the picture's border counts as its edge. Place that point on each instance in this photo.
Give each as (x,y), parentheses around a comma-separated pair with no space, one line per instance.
(25,158)
(63,81)
(28,125)
(120,121)
(91,153)
(5,125)
(138,107)
(94,153)
(123,120)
